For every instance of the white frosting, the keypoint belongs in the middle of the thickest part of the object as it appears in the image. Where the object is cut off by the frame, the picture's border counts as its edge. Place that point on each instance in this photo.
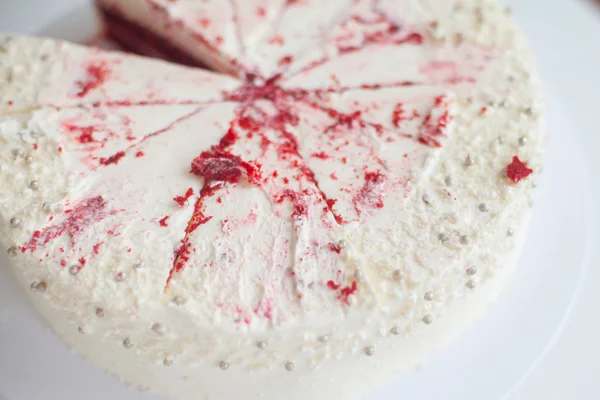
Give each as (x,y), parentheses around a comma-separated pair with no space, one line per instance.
(407,133)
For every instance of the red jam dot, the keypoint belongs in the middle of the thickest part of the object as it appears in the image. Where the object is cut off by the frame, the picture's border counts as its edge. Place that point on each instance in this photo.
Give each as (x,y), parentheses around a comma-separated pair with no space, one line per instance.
(164,221)
(517,170)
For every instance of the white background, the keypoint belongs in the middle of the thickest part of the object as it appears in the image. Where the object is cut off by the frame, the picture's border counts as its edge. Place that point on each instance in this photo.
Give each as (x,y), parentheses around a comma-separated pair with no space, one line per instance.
(566,37)
(571,370)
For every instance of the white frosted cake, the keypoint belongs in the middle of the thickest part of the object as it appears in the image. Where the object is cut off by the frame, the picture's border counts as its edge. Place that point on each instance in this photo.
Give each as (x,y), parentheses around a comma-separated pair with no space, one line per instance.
(315,217)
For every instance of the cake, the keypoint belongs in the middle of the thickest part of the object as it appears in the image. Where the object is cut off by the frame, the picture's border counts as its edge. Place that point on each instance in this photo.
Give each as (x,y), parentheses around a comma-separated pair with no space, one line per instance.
(345,191)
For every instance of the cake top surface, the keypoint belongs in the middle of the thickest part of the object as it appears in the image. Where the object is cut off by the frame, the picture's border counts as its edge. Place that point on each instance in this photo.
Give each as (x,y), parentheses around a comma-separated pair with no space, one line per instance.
(369,153)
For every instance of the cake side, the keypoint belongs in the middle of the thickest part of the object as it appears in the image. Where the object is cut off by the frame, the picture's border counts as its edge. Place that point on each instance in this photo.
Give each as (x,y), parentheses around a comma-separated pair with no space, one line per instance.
(384,216)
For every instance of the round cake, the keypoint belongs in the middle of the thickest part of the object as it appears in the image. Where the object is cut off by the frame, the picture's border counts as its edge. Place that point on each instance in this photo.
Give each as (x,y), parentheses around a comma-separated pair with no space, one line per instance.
(343,192)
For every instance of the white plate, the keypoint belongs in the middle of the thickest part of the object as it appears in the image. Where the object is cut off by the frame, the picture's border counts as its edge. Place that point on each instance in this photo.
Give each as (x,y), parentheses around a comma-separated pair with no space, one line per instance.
(486,362)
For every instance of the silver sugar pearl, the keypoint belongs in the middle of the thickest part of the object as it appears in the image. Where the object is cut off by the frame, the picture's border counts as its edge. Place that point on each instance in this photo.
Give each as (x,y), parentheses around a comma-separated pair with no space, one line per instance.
(398,275)
(426,198)
(33,286)
(261,345)
(224,365)
(324,339)
(59,208)
(395,331)
(100,312)
(342,244)
(74,269)
(12,251)
(428,296)
(29,159)
(168,361)
(127,344)
(471,284)
(120,277)
(472,270)
(522,141)
(500,140)
(427,319)
(469,161)
(140,265)
(449,181)
(483,207)
(510,232)
(465,239)
(15,222)
(34,185)
(17,153)
(443,237)
(81,330)
(179,300)
(42,286)
(47,207)
(290,366)
(158,328)
(369,350)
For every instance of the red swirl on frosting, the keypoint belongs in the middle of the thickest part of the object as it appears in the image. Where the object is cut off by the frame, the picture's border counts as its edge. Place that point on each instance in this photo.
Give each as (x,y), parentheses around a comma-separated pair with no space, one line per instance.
(96,74)
(86,213)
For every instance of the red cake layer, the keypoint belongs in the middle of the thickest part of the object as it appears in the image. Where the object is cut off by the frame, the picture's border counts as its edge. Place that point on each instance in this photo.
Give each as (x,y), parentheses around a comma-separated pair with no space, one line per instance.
(137,39)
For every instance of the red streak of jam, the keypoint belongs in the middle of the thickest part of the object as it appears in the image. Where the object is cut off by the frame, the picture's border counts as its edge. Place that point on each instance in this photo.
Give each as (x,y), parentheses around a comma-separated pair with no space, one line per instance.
(139,154)
(335,248)
(83,216)
(345,292)
(215,166)
(114,159)
(96,76)
(97,248)
(183,200)
(517,170)
(432,130)
(322,155)
(229,139)
(397,115)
